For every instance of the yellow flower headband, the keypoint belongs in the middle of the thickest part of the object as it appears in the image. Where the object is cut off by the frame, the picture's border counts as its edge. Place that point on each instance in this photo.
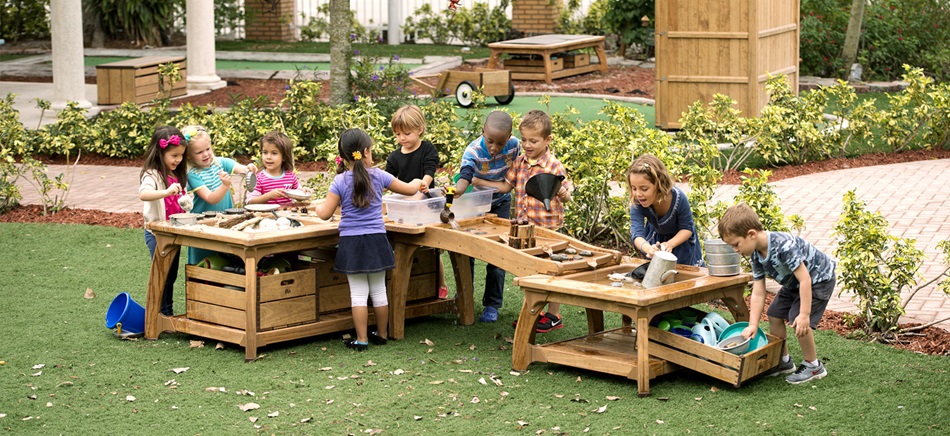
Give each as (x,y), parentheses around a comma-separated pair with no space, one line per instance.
(357,155)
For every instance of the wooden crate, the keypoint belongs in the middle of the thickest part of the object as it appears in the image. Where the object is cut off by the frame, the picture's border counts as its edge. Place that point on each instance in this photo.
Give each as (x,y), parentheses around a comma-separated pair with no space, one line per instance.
(574,60)
(532,65)
(493,82)
(334,290)
(722,47)
(136,80)
(713,362)
(283,299)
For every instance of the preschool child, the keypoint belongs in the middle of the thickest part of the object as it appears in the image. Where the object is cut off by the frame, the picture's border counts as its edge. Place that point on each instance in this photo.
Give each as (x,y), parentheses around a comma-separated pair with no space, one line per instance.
(159,188)
(489,158)
(660,216)
(415,159)
(364,253)
(536,158)
(209,178)
(277,156)
(807,277)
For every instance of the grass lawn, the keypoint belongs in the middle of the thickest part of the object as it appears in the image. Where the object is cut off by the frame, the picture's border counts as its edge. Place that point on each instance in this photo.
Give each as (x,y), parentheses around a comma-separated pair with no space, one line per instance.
(381,50)
(589,107)
(65,373)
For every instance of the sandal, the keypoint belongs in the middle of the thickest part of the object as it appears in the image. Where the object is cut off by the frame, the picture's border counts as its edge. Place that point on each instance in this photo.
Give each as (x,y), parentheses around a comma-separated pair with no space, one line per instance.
(376,339)
(443,293)
(356,345)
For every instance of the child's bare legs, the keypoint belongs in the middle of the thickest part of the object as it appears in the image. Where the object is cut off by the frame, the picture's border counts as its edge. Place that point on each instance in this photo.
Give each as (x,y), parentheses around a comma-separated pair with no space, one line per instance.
(807,342)
(777,329)
(382,320)
(442,284)
(554,308)
(360,321)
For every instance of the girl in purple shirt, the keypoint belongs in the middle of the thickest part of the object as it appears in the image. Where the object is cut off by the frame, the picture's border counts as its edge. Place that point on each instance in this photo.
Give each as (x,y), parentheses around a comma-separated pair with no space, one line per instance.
(364,253)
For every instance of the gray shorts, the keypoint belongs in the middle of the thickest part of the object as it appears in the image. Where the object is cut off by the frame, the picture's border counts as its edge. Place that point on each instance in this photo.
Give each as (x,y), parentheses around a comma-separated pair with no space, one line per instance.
(787,303)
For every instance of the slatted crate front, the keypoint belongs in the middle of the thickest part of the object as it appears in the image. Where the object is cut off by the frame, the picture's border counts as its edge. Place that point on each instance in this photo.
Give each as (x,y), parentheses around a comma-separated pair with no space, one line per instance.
(284,299)
(137,80)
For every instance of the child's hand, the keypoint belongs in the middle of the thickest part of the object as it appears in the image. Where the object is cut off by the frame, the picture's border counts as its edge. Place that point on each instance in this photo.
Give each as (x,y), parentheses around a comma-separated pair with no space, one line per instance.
(174,188)
(801,325)
(225,178)
(650,250)
(276,193)
(251,168)
(562,193)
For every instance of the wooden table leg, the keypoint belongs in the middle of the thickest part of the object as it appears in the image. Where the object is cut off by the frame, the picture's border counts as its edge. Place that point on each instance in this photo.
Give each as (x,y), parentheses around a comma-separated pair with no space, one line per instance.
(250,309)
(165,252)
(643,356)
(465,289)
(595,321)
(522,354)
(494,59)
(548,66)
(399,288)
(601,56)
(734,299)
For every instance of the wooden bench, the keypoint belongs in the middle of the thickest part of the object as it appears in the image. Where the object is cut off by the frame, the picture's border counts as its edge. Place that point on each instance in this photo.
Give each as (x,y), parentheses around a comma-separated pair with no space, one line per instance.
(136,80)
(544,46)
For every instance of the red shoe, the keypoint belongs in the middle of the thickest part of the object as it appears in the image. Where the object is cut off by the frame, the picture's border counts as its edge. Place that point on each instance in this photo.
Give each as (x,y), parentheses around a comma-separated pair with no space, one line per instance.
(443,293)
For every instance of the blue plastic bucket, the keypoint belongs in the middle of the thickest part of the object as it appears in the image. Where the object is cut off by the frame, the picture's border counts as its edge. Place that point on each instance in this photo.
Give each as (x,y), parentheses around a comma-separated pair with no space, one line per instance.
(126,311)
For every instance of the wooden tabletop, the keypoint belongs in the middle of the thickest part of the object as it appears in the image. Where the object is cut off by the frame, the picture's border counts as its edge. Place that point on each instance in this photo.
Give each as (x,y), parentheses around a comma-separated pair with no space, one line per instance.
(553,41)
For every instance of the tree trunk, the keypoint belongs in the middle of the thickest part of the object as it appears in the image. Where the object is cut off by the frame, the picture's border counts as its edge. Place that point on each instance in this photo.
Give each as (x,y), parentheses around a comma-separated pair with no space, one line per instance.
(849,53)
(340,52)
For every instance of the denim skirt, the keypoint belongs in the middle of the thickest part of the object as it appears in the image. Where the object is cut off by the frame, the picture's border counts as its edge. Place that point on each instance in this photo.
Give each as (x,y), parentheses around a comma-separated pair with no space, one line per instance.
(363,254)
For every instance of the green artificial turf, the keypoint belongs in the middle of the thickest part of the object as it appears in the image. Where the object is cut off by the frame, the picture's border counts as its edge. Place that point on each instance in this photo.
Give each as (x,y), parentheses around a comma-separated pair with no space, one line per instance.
(375,49)
(64,372)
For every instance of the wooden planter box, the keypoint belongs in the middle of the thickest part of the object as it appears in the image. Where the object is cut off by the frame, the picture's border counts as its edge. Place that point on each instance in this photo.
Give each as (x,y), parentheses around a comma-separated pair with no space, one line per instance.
(283,299)
(136,80)
(722,47)
(574,60)
(532,65)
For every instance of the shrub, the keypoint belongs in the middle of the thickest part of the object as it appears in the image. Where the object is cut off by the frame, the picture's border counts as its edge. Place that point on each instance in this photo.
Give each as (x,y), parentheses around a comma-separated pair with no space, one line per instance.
(24,19)
(570,20)
(387,84)
(424,23)
(622,17)
(480,26)
(917,117)
(319,24)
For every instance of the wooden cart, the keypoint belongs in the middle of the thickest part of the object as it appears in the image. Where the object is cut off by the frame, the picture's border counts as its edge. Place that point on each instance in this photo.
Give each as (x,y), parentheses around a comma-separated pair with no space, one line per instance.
(493,83)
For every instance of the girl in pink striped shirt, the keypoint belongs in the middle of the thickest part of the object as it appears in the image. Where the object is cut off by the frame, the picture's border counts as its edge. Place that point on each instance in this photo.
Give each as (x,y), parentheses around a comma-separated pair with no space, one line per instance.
(277,156)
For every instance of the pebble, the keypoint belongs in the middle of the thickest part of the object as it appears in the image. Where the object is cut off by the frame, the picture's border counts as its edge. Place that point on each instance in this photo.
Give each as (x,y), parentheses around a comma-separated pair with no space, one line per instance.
(586,253)
(570,251)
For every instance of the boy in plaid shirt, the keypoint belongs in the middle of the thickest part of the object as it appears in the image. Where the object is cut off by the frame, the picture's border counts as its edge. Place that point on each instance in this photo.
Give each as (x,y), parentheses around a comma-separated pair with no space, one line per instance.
(536,158)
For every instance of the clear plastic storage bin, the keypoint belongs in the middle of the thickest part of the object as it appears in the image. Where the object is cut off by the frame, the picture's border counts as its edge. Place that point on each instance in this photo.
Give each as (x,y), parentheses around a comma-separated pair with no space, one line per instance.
(476,202)
(405,210)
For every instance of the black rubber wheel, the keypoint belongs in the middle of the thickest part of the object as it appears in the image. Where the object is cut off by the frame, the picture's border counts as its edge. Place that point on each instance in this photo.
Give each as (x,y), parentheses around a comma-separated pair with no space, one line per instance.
(463,93)
(505,99)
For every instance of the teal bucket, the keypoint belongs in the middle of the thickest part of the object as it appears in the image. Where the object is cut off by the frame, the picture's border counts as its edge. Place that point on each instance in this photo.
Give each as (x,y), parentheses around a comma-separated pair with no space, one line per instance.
(126,311)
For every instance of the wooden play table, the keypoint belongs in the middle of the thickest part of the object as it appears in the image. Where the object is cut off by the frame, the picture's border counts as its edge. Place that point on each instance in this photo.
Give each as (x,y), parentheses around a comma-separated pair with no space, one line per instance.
(247,312)
(640,352)
(545,46)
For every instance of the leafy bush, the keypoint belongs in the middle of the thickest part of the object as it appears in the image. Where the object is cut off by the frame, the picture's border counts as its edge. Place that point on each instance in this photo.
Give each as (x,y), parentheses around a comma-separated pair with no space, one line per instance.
(141,21)
(228,15)
(894,32)
(570,20)
(918,116)
(719,123)
(319,25)
(387,84)
(480,26)
(792,129)
(425,23)
(24,19)
(623,18)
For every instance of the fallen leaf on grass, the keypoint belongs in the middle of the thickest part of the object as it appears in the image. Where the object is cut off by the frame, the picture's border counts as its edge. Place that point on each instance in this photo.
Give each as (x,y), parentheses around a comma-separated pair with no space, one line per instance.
(578,379)
(369,363)
(797,405)
(89,294)
(249,406)
(521,424)
(399,372)
(437,382)
(373,431)
(482,381)
(515,373)
(813,408)
(197,344)
(659,422)
(252,418)
(475,400)
(219,346)
(427,342)
(713,389)
(600,409)
(245,392)
(497,381)
(328,402)
(171,382)
(612,398)
(129,398)
(180,370)
(216,389)
(579,400)
(38,366)
(273,414)
(416,417)
(326,368)
(48,404)
(306,420)
(37,374)
(471,347)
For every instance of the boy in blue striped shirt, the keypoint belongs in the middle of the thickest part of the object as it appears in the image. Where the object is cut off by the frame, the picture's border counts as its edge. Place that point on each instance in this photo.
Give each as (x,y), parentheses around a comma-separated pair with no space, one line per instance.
(489,158)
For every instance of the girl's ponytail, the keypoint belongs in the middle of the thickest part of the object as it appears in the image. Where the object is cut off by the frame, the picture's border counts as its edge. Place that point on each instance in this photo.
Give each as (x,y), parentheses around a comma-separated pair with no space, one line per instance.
(353,143)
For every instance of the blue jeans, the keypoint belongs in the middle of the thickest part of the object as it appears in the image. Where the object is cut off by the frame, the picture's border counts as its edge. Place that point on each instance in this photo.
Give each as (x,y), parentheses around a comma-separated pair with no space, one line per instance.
(166,306)
(495,276)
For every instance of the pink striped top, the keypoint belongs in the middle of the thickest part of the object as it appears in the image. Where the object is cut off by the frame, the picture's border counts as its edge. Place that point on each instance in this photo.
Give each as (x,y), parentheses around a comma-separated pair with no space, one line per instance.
(267,183)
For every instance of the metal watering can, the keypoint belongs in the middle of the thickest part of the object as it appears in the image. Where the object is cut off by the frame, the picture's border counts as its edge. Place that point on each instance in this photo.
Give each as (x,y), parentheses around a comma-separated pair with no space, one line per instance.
(661,270)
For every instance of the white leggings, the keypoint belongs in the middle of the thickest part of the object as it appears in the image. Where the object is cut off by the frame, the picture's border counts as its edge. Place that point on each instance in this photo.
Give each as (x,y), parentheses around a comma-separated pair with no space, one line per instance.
(368,285)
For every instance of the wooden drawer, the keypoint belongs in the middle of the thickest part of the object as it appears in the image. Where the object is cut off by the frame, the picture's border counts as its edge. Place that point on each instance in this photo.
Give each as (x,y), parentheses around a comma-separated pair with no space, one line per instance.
(711,361)
(534,65)
(574,60)
(136,80)
(284,299)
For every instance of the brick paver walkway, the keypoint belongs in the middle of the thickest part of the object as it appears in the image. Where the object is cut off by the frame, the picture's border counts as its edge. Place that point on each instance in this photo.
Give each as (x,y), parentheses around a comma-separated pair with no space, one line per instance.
(913,197)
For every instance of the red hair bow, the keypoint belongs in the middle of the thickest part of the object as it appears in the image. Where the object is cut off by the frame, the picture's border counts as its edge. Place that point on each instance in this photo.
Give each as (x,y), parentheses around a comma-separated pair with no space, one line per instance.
(174,140)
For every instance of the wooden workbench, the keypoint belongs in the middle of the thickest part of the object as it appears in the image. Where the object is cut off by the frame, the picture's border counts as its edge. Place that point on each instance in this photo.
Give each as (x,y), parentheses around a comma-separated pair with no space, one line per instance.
(545,46)
(639,352)
(234,310)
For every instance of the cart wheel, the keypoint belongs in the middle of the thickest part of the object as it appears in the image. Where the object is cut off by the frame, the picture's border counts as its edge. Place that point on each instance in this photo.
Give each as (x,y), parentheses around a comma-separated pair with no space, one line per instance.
(505,99)
(463,93)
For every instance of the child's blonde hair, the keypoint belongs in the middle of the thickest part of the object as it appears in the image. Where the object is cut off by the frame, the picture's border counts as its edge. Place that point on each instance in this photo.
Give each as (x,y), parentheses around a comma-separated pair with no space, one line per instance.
(409,118)
(651,168)
(194,133)
(537,119)
(738,220)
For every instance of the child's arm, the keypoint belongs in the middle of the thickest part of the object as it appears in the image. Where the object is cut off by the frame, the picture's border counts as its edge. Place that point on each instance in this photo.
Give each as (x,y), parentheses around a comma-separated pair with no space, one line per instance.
(802,324)
(244,169)
(265,198)
(755,312)
(215,197)
(325,211)
(158,194)
(400,187)
(502,186)
(678,239)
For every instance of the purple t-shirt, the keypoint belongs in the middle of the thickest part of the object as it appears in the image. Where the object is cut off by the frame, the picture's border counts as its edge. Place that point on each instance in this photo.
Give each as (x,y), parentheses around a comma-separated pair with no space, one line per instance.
(361,221)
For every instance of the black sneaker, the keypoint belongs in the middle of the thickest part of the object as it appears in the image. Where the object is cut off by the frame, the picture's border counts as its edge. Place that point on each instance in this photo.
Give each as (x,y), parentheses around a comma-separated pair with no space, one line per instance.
(376,339)
(548,322)
(356,345)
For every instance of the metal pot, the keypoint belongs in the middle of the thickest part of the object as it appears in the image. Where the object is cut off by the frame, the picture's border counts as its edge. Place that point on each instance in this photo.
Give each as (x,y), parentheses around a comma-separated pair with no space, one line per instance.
(184,219)
(724,270)
(717,246)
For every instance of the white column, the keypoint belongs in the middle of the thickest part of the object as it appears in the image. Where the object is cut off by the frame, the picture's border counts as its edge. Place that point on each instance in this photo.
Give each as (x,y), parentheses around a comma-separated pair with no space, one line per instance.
(69,77)
(395,22)
(201,74)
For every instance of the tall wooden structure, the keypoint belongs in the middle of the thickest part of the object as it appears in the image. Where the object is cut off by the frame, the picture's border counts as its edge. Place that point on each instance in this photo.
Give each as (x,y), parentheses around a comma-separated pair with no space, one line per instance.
(725,47)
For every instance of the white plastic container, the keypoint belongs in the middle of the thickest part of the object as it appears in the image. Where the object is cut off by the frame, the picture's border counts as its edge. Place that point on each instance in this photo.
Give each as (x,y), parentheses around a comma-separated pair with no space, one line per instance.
(474,203)
(404,210)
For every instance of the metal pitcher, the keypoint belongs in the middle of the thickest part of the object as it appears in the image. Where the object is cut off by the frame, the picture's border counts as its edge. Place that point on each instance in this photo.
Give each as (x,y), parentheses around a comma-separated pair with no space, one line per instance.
(661,271)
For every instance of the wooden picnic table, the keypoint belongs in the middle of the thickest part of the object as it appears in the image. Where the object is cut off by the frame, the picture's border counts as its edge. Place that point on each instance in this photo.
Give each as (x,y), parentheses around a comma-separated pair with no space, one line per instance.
(545,46)
(640,352)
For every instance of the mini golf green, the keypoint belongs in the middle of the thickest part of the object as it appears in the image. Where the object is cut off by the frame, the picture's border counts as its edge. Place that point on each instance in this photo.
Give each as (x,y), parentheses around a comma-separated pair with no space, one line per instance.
(589,108)
(92,61)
